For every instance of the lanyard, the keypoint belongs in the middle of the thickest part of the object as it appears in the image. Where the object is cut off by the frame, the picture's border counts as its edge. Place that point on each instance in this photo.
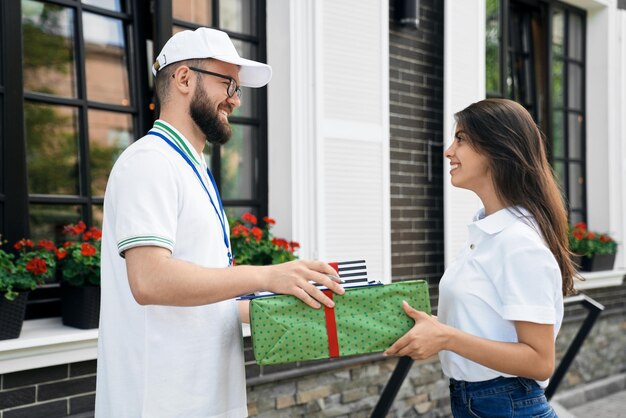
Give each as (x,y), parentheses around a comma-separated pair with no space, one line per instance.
(220,214)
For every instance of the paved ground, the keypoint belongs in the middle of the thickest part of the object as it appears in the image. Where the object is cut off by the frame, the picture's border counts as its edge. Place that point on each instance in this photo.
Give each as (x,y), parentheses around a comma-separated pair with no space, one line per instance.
(612,406)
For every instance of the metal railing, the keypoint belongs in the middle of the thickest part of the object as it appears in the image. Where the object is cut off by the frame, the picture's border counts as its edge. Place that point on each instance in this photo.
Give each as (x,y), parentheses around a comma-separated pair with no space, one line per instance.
(404,363)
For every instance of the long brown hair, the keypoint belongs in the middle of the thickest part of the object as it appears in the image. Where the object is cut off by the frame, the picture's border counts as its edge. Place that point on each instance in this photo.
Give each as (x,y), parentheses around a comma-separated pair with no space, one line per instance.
(505,132)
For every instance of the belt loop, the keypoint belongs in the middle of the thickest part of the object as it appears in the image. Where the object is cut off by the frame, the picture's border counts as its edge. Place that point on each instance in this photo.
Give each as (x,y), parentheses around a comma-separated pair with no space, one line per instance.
(526,383)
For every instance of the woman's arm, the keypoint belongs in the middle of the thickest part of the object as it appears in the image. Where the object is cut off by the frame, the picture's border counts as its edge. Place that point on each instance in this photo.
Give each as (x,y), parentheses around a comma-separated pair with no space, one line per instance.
(532,357)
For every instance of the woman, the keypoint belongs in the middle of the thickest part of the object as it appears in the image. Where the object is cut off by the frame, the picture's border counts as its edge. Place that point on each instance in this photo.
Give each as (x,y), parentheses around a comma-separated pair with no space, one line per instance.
(501,301)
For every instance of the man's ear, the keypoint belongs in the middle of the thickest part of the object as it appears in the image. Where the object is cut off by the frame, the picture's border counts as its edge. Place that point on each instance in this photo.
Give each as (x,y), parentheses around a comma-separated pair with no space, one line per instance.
(181,78)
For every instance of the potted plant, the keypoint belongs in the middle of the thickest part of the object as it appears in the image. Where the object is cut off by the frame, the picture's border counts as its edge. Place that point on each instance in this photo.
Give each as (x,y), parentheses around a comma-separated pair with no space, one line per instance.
(255,245)
(19,275)
(594,251)
(79,259)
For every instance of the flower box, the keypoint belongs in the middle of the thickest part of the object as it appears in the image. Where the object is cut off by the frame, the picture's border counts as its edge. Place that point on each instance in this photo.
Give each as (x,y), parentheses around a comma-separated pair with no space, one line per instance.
(364,320)
(597,262)
(80,306)
(12,316)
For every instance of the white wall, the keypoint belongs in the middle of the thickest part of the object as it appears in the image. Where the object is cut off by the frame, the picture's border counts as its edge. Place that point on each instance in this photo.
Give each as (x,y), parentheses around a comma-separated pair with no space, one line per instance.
(329,128)
(464,84)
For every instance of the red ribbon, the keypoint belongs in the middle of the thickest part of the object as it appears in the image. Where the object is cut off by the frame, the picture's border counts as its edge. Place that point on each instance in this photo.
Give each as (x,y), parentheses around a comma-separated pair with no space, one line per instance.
(335,266)
(331,328)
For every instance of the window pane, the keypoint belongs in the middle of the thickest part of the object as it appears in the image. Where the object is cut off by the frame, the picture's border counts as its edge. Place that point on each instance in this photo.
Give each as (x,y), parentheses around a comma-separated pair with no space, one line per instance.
(575,140)
(109,134)
(47,221)
(558,147)
(48,32)
(492,51)
(249,96)
(575,86)
(105,60)
(238,16)
(98,215)
(559,174)
(235,212)
(557,83)
(195,11)
(576,184)
(51,148)
(239,164)
(115,5)
(557,32)
(575,217)
(575,37)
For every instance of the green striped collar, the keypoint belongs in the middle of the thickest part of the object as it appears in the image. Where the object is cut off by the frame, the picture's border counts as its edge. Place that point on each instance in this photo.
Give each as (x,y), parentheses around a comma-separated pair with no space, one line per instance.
(178,139)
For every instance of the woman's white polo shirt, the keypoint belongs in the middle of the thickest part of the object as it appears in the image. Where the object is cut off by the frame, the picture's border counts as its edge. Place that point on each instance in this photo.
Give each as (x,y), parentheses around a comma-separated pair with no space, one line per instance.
(504,273)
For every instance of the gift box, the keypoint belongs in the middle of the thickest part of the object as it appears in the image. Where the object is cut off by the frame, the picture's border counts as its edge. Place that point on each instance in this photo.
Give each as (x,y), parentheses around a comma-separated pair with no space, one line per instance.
(365,319)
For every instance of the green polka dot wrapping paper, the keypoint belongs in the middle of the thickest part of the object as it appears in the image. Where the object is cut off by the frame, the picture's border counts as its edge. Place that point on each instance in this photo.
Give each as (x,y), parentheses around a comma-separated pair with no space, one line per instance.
(367,320)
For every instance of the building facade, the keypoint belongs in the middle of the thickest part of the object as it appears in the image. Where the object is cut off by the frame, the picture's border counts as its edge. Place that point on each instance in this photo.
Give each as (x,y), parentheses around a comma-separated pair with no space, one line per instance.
(344,148)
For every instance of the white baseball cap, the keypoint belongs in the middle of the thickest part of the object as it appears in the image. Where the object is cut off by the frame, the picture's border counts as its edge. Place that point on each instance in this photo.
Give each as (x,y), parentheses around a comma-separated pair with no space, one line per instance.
(211,43)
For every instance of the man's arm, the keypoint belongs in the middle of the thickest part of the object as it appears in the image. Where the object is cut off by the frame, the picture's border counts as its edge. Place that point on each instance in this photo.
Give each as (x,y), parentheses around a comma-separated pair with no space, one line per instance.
(157,278)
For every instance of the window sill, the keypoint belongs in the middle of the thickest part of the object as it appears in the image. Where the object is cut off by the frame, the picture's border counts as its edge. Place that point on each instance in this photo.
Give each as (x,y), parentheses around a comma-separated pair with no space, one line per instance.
(596,279)
(47,342)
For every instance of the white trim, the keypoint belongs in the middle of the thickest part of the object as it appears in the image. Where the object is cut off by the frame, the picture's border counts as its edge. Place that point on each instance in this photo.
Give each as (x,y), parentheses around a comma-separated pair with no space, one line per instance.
(46,342)
(594,280)
(385,138)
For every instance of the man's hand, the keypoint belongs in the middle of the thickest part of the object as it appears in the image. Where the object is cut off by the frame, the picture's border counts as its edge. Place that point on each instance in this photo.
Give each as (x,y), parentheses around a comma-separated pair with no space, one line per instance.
(295,277)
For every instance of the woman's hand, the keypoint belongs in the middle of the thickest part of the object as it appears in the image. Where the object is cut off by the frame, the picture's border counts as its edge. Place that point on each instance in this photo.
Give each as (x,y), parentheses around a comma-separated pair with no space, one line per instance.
(427,337)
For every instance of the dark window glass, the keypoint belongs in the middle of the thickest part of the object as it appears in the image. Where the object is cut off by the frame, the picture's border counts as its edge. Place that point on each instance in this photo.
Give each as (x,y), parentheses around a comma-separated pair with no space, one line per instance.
(115,5)
(575,131)
(239,163)
(105,60)
(238,16)
(109,134)
(48,48)
(492,51)
(199,12)
(52,149)
(47,221)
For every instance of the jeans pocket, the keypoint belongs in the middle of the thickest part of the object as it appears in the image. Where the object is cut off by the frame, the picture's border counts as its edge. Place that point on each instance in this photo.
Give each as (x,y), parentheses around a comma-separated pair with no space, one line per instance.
(498,405)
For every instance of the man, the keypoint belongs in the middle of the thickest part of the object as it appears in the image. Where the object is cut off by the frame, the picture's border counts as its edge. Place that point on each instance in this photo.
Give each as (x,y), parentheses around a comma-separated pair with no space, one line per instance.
(170,341)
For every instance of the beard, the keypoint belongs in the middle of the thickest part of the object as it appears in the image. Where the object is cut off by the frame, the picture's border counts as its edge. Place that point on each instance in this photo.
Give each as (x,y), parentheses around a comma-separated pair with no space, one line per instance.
(205,115)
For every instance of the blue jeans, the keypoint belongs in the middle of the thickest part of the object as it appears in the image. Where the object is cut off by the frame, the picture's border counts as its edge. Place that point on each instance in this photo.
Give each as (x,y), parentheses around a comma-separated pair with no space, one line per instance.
(499,397)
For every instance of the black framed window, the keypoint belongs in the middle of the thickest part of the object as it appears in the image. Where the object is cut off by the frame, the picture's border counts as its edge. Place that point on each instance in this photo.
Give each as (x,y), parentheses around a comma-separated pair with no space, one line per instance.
(80,106)
(535,55)
(77,75)
(239,166)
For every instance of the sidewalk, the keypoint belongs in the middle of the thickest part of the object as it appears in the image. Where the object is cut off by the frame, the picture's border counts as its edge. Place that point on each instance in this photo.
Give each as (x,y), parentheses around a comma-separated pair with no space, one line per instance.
(605,398)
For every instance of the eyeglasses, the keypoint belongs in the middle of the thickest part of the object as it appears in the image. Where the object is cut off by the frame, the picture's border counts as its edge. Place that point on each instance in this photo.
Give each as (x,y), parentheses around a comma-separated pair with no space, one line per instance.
(232,85)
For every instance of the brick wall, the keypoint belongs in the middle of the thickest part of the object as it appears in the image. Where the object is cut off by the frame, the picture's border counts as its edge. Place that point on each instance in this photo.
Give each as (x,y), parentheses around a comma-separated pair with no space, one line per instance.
(416,108)
(56,391)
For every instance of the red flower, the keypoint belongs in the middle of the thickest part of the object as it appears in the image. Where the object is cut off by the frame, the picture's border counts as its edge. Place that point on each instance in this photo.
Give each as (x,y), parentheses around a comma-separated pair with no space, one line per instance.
(269,220)
(279,242)
(240,230)
(93,234)
(294,245)
(37,266)
(604,238)
(87,250)
(75,230)
(591,235)
(23,243)
(67,244)
(60,253)
(581,226)
(248,217)
(46,245)
(257,233)
(578,234)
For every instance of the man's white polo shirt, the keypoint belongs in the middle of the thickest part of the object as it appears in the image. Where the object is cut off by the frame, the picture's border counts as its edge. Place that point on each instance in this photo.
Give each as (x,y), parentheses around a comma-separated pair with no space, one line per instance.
(165,361)
(505,272)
